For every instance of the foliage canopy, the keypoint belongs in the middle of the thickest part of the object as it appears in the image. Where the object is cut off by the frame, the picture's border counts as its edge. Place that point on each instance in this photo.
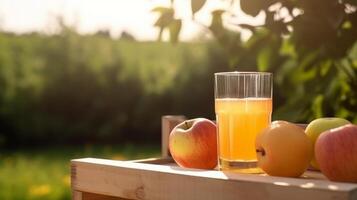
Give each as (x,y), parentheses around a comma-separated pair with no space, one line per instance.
(310,46)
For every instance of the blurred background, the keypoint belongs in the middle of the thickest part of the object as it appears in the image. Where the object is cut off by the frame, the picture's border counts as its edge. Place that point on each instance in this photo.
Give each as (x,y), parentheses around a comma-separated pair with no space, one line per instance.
(93,78)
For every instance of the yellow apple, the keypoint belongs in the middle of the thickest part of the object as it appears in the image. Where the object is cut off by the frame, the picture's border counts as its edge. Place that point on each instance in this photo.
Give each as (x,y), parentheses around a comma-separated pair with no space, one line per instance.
(317,126)
(283,149)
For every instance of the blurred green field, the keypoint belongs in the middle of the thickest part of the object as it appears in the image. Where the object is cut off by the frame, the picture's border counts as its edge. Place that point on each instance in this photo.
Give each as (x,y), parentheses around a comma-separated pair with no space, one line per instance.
(73,88)
(43,173)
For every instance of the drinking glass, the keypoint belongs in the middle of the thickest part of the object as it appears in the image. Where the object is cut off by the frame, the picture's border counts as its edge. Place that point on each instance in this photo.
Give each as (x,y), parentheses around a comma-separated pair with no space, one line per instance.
(243,106)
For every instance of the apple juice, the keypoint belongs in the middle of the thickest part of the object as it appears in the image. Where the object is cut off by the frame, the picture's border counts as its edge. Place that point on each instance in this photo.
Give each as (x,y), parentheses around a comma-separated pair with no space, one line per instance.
(239,120)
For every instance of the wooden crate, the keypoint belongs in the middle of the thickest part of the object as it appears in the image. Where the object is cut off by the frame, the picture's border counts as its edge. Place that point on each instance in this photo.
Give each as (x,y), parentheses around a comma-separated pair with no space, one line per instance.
(162,179)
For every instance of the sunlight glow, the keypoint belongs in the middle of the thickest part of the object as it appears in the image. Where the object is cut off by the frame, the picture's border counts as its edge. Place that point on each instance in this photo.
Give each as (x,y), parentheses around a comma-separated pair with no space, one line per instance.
(307,185)
(281,183)
(333,187)
(89,16)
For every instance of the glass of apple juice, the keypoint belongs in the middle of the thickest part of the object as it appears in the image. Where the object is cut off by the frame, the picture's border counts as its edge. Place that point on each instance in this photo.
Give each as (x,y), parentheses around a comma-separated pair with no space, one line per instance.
(243,106)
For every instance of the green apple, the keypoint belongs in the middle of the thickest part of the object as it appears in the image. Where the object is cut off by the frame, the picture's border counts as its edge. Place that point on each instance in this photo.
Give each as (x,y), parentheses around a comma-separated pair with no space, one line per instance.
(317,126)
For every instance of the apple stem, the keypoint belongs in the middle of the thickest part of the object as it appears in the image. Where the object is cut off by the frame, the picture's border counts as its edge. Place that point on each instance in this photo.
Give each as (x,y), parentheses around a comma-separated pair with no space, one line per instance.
(261,151)
(186,124)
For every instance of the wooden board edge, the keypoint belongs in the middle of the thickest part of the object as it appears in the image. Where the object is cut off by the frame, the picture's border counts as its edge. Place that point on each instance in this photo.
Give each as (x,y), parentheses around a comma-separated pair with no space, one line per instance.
(128,182)
(228,176)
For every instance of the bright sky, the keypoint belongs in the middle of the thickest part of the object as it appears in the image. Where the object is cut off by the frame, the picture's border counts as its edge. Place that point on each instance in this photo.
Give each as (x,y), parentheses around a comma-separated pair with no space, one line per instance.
(89,16)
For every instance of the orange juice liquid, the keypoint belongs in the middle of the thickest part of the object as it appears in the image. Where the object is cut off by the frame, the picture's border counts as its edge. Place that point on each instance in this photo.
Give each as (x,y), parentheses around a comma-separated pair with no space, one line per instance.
(239,121)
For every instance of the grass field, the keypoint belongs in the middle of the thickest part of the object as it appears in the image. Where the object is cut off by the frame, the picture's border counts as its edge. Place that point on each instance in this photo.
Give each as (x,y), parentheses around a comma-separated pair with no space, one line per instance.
(44,173)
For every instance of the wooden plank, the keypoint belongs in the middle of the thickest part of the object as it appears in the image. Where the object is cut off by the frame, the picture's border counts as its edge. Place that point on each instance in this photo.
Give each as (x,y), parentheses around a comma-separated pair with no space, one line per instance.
(168,122)
(148,181)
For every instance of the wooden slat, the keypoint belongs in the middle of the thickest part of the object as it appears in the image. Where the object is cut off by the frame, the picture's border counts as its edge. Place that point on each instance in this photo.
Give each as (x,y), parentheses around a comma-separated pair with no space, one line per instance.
(158,182)
(168,122)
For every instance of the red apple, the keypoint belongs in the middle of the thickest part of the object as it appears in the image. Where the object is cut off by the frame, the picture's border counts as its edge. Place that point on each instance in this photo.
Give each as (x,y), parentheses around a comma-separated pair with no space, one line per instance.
(193,144)
(336,153)
(318,126)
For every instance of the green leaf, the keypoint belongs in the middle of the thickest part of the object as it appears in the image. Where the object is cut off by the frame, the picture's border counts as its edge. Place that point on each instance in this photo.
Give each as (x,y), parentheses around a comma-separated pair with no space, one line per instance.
(159,37)
(175,28)
(264,58)
(347,68)
(217,19)
(353,52)
(288,49)
(252,7)
(257,38)
(165,19)
(196,5)
(309,59)
(216,26)
(161,9)
(248,26)
(325,67)
(317,106)
(302,76)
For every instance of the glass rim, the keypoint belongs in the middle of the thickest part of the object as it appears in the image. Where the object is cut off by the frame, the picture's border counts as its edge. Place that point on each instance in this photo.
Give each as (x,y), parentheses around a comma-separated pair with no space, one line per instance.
(238,73)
